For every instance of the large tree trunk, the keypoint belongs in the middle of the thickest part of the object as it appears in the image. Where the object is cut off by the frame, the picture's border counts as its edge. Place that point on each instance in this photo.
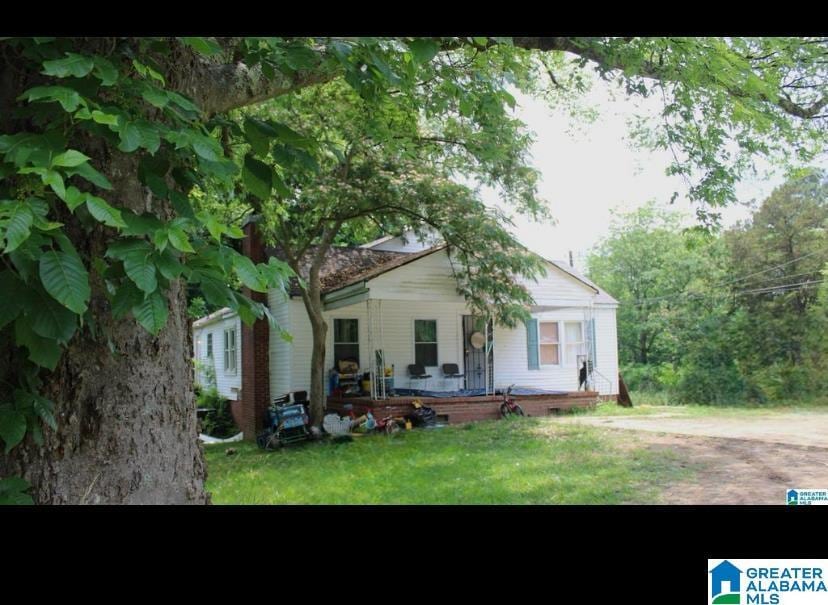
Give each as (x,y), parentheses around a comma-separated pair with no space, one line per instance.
(126,421)
(312,297)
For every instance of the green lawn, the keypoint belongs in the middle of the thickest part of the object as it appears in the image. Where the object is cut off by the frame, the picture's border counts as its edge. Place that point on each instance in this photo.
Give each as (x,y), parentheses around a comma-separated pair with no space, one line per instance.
(521,461)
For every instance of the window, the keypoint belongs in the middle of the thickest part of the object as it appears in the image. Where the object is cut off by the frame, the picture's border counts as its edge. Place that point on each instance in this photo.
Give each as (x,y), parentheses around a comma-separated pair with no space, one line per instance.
(425,342)
(210,345)
(346,339)
(573,341)
(549,343)
(230,350)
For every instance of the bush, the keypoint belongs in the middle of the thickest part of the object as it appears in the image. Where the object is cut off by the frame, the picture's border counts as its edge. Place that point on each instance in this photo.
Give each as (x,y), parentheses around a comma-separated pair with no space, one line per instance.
(649,377)
(219,421)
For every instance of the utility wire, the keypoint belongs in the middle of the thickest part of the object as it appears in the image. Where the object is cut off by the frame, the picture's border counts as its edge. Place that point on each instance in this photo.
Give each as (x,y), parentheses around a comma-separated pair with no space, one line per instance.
(739,279)
(777,288)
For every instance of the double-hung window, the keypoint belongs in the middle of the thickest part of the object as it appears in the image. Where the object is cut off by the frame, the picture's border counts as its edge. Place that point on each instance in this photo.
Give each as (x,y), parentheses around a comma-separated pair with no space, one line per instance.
(230,350)
(549,343)
(425,342)
(346,340)
(210,345)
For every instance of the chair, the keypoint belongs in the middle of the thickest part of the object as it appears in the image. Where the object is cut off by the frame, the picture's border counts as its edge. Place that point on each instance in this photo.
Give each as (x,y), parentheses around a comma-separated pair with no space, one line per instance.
(417,372)
(451,370)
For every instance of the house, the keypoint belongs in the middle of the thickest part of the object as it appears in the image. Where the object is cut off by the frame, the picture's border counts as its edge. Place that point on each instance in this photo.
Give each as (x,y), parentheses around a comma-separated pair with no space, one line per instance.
(394,302)
(217,352)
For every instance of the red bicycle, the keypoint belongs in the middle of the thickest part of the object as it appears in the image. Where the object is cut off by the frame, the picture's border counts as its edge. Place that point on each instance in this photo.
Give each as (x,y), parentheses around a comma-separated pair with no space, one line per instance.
(509,408)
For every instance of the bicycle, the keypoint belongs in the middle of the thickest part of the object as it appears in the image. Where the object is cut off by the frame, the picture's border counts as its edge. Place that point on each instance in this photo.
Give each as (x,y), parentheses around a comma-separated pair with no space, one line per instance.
(509,408)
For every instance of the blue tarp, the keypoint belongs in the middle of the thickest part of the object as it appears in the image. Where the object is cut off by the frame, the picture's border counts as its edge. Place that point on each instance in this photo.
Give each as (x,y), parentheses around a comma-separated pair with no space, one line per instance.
(471,392)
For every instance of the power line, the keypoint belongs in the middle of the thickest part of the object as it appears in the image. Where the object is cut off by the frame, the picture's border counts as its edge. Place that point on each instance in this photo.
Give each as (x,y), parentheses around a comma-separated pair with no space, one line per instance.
(777,288)
(738,279)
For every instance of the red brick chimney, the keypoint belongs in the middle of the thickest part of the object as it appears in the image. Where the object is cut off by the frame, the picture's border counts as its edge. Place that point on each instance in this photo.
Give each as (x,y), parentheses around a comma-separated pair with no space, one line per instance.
(255,393)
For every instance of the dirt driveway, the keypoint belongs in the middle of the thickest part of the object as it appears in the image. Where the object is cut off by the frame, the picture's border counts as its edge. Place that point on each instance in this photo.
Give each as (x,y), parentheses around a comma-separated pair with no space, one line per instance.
(739,460)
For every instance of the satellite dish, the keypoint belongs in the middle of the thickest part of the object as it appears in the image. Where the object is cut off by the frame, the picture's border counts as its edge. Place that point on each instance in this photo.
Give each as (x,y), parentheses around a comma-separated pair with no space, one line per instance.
(477,340)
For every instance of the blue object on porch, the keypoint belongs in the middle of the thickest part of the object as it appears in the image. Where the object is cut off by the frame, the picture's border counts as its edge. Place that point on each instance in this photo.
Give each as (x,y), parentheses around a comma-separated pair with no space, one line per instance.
(471,392)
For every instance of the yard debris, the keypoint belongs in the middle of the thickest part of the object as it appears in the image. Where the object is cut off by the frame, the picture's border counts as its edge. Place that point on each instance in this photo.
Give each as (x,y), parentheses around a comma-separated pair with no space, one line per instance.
(230,451)
(207,439)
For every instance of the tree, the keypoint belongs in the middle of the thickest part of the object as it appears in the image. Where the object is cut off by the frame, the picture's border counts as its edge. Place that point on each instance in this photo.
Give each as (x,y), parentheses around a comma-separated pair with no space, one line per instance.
(104,139)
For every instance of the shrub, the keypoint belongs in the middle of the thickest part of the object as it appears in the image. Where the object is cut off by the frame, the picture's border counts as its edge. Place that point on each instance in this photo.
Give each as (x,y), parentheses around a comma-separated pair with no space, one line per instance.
(219,421)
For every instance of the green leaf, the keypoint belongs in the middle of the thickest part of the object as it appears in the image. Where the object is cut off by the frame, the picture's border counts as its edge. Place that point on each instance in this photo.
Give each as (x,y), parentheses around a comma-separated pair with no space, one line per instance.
(206,147)
(104,118)
(70,159)
(178,238)
(131,138)
(152,313)
(125,299)
(72,65)
(181,204)
(74,197)
(423,50)
(140,224)
(55,181)
(105,71)
(249,274)
(86,171)
(205,46)
(155,97)
(18,227)
(259,134)
(45,409)
(257,177)
(10,303)
(16,497)
(12,427)
(65,278)
(69,99)
(44,352)
(103,212)
(47,317)
(301,57)
(141,270)
(168,265)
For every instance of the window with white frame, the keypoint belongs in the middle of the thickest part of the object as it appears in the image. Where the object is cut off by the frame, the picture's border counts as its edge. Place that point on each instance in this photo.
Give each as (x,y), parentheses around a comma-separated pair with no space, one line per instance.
(549,343)
(574,344)
(230,350)
(425,342)
(210,345)
(346,339)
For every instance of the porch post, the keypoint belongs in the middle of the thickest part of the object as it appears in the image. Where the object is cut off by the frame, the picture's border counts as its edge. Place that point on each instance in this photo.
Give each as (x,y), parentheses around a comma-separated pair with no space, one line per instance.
(255,366)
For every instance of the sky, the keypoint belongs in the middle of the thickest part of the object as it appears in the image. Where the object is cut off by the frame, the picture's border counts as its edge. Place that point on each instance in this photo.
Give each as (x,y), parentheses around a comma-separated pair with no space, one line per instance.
(589,169)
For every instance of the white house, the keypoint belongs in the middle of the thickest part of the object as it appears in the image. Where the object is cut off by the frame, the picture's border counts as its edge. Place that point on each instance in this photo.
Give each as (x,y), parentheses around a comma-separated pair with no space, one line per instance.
(217,352)
(394,302)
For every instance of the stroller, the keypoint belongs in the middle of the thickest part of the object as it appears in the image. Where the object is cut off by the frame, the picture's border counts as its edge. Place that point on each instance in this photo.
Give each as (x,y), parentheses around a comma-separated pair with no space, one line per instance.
(286,423)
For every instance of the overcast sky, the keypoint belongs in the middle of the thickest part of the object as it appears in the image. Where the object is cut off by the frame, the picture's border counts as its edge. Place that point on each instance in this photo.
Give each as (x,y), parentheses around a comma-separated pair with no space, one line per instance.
(590,168)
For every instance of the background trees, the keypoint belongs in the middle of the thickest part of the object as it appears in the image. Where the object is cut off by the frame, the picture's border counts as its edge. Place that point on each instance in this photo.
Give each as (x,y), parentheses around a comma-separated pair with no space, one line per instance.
(722,317)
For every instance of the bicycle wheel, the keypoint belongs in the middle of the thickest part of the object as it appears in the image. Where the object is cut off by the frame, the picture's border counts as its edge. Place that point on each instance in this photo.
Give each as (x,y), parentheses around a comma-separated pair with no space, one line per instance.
(505,412)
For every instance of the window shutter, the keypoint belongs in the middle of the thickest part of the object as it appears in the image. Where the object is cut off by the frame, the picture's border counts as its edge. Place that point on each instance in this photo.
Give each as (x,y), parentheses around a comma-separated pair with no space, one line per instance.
(532,343)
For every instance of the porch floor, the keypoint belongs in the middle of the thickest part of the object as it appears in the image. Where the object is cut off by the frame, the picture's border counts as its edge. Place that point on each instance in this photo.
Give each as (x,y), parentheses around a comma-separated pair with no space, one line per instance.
(467,409)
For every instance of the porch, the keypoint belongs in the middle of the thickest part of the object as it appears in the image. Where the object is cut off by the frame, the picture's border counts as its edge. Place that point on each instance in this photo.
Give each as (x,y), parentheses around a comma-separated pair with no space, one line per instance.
(454,410)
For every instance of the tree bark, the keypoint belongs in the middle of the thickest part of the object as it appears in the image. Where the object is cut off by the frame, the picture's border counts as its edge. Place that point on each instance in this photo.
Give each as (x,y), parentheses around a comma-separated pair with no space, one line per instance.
(127,431)
(126,420)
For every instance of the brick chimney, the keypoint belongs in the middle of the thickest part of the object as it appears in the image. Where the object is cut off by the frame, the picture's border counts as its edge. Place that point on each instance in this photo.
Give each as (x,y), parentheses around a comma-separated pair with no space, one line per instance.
(255,393)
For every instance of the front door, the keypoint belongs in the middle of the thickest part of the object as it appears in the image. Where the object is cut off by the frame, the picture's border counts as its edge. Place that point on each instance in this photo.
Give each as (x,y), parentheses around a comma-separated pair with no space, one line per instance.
(474,353)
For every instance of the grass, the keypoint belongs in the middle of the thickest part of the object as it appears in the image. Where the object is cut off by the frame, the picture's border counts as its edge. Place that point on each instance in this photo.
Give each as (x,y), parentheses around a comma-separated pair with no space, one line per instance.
(646,403)
(521,461)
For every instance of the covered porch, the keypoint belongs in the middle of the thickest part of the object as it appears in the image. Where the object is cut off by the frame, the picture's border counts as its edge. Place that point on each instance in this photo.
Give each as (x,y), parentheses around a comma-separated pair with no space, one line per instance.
(453,410)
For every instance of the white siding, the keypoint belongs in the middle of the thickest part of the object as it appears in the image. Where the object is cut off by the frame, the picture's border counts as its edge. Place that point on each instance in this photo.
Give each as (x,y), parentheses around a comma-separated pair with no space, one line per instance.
(428,278)
(228,383)
(606,349)
(279,350)
(411,243)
